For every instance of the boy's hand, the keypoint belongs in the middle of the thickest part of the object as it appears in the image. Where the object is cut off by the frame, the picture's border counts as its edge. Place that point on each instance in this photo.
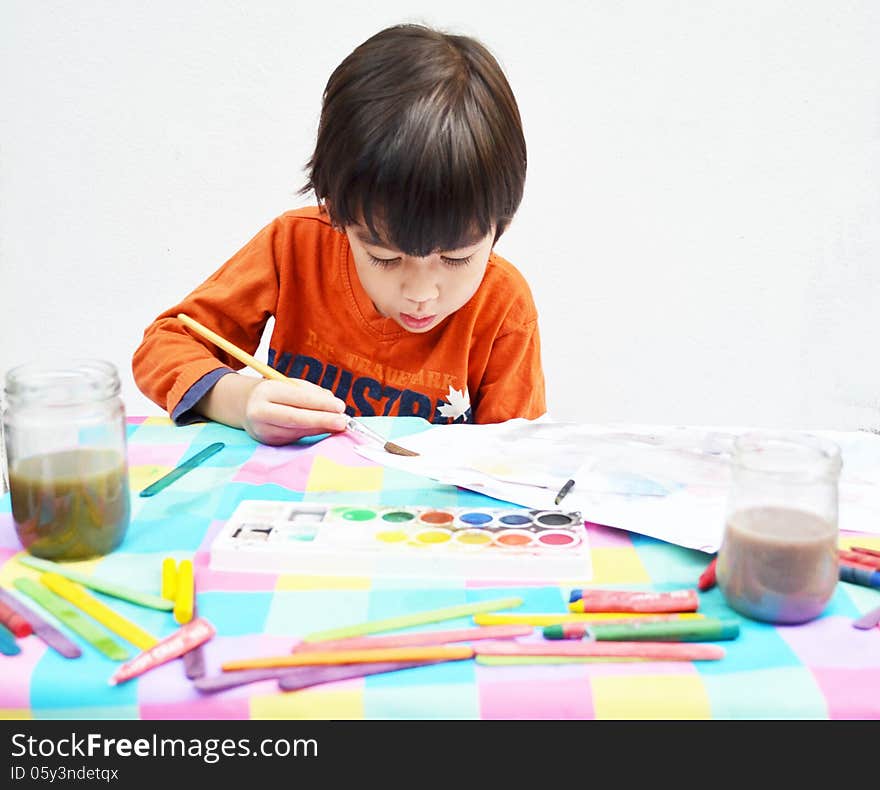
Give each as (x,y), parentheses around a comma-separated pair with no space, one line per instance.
(273,412)
(280,413)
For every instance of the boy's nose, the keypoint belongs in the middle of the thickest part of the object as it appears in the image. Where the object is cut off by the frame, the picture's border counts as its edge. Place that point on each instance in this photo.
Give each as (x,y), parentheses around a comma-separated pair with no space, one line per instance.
(419,286)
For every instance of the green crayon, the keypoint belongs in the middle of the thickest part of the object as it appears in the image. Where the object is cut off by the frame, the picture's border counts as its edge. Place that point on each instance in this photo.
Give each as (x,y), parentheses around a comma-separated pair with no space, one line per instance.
(706,629)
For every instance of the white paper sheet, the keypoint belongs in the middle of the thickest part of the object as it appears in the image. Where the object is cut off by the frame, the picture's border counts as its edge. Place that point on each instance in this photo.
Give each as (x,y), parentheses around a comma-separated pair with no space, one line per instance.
(667,482)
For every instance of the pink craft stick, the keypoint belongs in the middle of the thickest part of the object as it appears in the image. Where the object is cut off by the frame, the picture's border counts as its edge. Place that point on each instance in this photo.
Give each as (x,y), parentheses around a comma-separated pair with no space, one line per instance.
(659,651)
(184,639)
(627,601)
(422,638)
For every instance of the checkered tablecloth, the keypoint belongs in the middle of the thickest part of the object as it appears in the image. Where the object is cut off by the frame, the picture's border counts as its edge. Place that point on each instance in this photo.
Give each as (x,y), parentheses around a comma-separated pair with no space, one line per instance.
(824,669)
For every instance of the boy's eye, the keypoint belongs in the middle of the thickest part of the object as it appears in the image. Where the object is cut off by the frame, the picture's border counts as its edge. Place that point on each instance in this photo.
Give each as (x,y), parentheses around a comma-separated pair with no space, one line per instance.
(385,263)
(457,261)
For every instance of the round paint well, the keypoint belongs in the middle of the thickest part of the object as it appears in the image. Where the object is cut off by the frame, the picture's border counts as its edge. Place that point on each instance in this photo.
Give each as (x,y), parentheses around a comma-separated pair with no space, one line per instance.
(557,539)
(515,519)
(358,514)
(514,538)
(475,518)
(473,538)
(392,536)
(397,516)
(554,519)
(436,517)
(433,536)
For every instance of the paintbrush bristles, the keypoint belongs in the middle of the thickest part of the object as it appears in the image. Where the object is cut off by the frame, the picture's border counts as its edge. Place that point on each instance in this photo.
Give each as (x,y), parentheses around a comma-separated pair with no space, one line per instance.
(396,449)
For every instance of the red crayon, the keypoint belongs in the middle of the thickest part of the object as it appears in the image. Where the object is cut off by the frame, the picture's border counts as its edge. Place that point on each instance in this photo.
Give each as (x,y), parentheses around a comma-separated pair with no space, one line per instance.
(626,601)
(860,557)
(14,621)
(863,550)
(707,577)
(184,639)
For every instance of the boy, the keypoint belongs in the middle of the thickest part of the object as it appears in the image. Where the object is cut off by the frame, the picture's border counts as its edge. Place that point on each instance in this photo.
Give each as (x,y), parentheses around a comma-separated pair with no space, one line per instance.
(387,296)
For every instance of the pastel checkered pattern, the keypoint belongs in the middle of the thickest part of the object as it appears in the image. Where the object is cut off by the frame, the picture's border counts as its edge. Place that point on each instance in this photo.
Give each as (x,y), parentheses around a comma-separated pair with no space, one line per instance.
(822,670)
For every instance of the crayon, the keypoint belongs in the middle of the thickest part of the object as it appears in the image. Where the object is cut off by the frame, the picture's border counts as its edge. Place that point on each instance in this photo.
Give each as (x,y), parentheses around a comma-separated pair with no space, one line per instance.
(865,550)
(658,651)
(314,657)
(860,557)
(72,618)
(868,620)
(856,564)
(862,576)
(169,578)
(554,618)
(420,639)
(177,644)
(108,588)
(43,629)
(14,621)
(707,577)
(626,601)
(709,629)
(580,630)
(417,618)
(8,645)
(185,593)
(181,469)
(112,621)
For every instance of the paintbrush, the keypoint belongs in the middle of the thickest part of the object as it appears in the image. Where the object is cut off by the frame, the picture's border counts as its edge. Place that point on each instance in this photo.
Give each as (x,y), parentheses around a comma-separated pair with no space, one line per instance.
(270,373)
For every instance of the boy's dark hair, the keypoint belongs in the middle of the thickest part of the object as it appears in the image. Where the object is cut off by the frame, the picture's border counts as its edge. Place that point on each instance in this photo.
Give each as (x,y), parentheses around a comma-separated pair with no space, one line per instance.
(420,139)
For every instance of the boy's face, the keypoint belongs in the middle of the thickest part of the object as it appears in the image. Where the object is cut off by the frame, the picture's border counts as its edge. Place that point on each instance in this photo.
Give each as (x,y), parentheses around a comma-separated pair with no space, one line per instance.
(418,293)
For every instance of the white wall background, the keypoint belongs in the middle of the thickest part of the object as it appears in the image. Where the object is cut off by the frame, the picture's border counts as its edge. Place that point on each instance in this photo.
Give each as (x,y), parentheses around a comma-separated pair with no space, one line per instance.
(701,224)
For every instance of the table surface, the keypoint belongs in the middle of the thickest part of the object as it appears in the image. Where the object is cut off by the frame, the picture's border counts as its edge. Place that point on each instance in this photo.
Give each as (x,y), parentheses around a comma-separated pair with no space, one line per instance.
(825,669)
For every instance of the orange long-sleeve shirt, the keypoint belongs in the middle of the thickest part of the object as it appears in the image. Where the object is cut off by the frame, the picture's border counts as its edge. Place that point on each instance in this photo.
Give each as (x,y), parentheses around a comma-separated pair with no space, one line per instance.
(480,364)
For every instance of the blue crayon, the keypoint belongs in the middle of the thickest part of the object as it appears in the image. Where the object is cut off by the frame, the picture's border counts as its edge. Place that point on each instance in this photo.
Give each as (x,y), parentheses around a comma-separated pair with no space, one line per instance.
(863,576)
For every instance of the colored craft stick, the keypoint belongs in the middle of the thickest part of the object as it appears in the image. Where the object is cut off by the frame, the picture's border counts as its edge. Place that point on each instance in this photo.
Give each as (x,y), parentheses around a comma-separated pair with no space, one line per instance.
(17,624)
(185,598)
(707,577)
(194,660)
(303,677)
(43,629)
(862,576)
(108,588)
(169,578)
(860,557)
(868,620)
(227,680)
(88,604)
(500,661)
(418,618)
(865,550)
(658,651)
(72,618)
(420,639)
(315,657)
(709,629)
(626,601)
(553,618)
(180,642)
(8,645)
(580,630)
(181,469)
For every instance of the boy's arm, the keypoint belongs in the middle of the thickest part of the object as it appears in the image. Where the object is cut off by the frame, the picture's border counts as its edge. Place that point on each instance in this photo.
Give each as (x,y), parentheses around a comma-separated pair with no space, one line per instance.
(513,382)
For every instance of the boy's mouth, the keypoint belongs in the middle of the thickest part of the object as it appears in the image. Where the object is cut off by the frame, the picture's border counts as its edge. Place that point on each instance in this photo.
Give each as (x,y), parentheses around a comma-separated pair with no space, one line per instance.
(416,322)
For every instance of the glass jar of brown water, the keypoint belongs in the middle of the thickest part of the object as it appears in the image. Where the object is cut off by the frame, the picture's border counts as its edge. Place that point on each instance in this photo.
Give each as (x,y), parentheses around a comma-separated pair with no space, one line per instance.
(778,559)
(65,438)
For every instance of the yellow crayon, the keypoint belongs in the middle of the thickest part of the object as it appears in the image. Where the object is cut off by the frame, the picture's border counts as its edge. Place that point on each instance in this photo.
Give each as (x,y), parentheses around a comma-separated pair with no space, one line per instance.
(316,657)
(110,619)
(184,601)
(169,578)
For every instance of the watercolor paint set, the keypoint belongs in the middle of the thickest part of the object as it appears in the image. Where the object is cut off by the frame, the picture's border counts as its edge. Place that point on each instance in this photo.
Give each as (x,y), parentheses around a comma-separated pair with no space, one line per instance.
(423,541)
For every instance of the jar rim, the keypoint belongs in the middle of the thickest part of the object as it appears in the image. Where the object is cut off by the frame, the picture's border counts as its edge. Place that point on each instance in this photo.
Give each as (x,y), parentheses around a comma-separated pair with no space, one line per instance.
(75,381)
(790,455)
